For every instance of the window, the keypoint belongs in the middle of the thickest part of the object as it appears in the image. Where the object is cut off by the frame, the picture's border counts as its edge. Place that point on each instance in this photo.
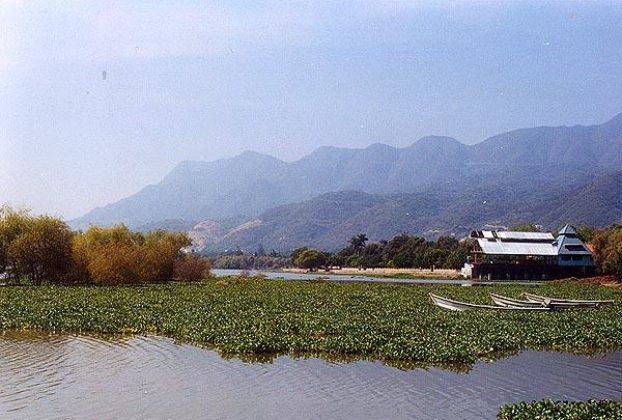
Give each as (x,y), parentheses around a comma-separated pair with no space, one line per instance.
(575,248)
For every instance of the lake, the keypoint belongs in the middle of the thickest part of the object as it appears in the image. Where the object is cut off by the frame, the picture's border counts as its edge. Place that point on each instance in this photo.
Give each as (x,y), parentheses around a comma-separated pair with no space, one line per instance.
(286,275)
(64,376)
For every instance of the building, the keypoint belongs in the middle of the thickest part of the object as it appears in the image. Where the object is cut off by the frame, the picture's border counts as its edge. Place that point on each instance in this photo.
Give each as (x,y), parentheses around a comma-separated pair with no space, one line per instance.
(504,255)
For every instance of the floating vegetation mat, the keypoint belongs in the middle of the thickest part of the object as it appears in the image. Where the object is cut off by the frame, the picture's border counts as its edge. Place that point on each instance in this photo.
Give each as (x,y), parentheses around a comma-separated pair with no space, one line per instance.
(562,410)
(254,317)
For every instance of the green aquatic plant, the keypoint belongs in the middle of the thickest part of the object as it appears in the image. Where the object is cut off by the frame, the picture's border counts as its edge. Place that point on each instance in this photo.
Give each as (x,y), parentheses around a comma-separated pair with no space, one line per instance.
(562,410)
(270,317)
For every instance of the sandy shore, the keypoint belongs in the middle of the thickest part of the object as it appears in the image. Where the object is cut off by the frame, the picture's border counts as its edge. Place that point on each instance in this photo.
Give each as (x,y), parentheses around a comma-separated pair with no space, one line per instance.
(389,272)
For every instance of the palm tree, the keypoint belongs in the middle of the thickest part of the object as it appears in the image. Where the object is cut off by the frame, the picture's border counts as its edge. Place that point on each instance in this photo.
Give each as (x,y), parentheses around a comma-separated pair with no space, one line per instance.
(358,243)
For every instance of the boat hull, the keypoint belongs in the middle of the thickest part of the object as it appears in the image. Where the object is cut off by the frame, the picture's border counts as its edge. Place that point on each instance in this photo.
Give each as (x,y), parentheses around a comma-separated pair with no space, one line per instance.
(455,305)
(506,301)
(566,303)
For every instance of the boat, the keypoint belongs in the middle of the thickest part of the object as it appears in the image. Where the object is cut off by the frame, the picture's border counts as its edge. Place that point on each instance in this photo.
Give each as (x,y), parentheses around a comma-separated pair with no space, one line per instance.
(566,303)
(506,301)
(455,305)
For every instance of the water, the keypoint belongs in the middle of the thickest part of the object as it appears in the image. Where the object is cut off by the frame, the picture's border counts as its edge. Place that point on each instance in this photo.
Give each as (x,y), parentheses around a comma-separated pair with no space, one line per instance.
(285,275)
(148,377)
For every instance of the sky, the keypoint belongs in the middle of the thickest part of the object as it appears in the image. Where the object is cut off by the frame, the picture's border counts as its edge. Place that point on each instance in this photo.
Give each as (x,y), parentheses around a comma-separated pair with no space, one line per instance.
(101,98)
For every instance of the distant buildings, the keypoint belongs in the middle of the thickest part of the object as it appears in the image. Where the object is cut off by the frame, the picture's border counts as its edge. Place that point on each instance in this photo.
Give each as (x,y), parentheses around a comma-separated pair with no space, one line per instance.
(504,255)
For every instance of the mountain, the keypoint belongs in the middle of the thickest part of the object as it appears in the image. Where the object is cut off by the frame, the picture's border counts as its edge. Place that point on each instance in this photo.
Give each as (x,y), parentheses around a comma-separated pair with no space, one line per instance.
(521,161)
(328,221)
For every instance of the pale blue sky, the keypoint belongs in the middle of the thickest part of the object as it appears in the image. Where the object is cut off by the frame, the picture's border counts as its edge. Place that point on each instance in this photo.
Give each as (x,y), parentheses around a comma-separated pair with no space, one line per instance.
(207,80)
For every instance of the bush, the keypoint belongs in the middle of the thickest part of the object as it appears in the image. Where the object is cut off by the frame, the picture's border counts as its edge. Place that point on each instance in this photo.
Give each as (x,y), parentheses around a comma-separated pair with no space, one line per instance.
(116,255)
(608,250)
(35,248)
(191,268)
(310,259)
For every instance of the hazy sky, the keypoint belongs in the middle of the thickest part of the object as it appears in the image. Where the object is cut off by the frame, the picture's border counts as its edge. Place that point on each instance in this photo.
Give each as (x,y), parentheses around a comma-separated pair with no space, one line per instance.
(208,79)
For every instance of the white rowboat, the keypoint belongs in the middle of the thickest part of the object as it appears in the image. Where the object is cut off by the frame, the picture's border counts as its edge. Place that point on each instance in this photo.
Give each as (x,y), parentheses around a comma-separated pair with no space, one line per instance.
(566,303)
(506,301)
(454,305)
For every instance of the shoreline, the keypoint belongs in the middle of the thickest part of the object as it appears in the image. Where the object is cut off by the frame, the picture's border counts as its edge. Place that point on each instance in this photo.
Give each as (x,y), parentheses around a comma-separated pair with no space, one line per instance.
(365,321)
(398,273)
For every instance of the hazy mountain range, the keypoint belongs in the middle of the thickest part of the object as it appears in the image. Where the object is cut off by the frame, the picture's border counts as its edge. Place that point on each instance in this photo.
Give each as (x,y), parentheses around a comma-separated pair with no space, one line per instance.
(546,175)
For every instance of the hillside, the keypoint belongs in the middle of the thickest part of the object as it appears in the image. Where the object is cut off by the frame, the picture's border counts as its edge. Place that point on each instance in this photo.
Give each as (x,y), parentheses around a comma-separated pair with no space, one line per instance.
(520,161)
(330,220)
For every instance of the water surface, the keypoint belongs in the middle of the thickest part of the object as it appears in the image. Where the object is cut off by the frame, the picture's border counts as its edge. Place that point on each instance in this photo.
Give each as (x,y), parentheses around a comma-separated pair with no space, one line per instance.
(369,278)
(44,376)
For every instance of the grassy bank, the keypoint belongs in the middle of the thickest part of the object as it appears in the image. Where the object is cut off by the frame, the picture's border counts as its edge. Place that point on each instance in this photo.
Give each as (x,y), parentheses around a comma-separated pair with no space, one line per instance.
(388,322)
(562,410)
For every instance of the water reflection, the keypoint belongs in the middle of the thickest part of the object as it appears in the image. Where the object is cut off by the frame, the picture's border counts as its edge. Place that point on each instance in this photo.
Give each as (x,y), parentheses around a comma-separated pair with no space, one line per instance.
(45,376)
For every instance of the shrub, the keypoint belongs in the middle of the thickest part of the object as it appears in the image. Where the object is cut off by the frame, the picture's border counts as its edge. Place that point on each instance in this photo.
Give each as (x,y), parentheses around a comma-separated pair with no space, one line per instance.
(608,250)
(35,248)
(310,259)
(191,268)
(116,255)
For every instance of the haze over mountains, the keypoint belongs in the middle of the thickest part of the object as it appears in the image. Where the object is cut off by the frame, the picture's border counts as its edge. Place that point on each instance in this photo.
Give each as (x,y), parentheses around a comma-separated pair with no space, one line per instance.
(435,186)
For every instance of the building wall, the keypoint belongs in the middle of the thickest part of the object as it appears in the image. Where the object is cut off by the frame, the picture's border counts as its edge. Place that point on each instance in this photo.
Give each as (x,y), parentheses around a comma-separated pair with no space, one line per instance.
(496,271)
(575,260)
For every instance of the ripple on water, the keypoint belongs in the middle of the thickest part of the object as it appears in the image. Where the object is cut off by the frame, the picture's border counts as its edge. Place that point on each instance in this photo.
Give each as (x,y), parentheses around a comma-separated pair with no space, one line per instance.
(47,376)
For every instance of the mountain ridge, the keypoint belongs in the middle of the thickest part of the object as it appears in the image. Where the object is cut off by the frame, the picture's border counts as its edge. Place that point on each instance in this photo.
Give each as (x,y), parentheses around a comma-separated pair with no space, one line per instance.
(250,183)
(328,221)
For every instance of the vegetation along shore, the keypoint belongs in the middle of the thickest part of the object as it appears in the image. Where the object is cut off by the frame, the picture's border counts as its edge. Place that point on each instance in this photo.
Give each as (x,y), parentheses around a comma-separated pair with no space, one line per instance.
(562,410)
(372,321)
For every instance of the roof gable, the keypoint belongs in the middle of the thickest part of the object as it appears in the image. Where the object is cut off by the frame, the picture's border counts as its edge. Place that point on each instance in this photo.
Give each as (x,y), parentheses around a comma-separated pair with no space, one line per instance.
(567,230)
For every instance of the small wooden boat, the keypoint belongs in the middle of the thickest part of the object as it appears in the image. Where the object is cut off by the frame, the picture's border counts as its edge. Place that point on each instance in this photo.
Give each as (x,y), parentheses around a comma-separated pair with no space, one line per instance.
(566,303)
(506,301)
(455,305)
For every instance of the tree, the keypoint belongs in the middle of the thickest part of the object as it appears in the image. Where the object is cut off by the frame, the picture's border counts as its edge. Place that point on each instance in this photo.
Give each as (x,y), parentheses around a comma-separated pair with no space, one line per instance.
(159,252)
(41,251)
(456,259)
(402,260)
(358,243)
(373,255)
(35,248)
(608,250)
(296,252)
(112,255)
(586,233)
(12,224)
(116,255)
(191,267)
(525,227)
(311,259)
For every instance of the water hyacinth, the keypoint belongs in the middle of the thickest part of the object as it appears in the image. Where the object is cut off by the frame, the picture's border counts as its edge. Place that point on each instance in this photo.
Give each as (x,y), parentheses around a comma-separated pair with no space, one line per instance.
(372,321)
(562,410)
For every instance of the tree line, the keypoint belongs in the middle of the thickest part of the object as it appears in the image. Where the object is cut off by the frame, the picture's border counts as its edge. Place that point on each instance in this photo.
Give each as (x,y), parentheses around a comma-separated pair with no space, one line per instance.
(406,251)
(403,251)
(43,249)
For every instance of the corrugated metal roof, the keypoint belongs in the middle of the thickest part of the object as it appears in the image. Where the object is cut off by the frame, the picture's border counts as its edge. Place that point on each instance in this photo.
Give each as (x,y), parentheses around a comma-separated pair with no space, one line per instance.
(567,230)
(564,241)
(532,243)
(517,248)
(526,236)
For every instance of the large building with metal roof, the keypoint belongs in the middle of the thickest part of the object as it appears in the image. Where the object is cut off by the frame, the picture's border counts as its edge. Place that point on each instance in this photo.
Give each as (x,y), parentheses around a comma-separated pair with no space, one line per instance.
(504,255)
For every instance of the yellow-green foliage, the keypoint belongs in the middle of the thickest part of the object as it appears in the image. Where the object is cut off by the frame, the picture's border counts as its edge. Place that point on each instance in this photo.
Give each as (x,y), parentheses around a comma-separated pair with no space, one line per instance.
(36,248)
(116,255)
(43,249)
(608,250)
(377,321)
